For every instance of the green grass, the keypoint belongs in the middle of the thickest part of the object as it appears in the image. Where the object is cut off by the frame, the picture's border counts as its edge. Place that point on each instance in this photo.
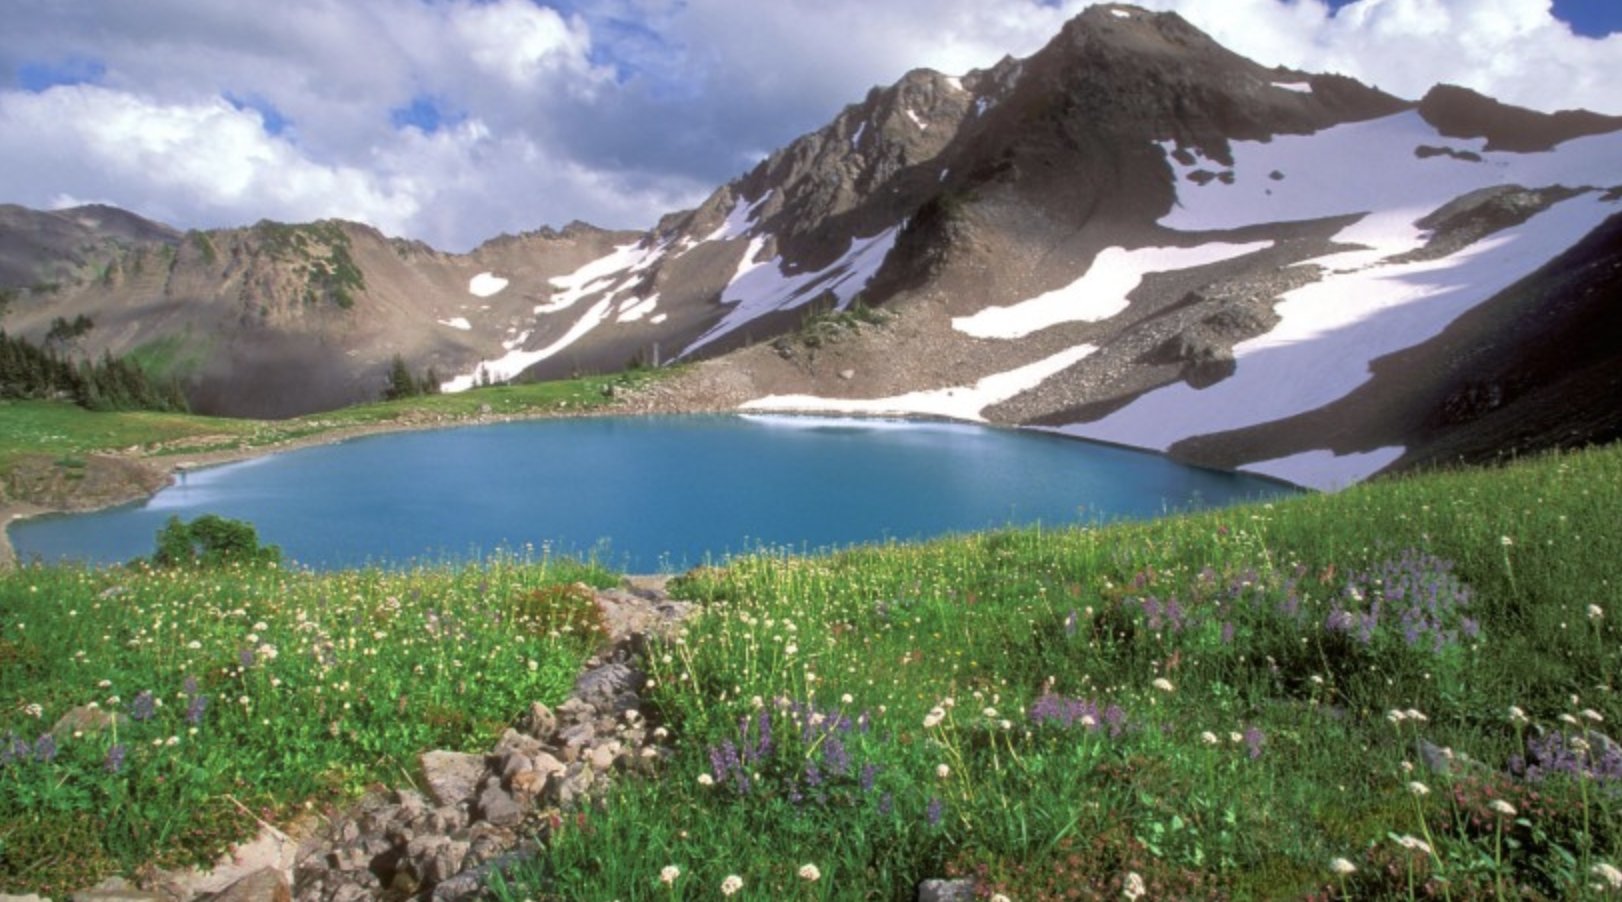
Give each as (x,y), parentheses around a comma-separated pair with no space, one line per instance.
(248,692)
(989,706)
(171,357)
(58,428)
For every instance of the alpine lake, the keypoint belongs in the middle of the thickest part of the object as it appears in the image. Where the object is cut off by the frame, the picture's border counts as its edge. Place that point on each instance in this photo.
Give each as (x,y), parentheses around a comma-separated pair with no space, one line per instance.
(649,494)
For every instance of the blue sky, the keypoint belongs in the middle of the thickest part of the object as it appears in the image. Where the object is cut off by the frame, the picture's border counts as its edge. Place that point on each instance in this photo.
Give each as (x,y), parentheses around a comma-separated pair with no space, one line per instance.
(455,120)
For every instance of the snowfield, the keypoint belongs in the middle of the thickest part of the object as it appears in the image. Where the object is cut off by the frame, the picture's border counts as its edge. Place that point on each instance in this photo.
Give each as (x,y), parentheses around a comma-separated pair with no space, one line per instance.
(760,287)
(485,285)
(1099,294)
(959,403)
(457,322)
(1366,306)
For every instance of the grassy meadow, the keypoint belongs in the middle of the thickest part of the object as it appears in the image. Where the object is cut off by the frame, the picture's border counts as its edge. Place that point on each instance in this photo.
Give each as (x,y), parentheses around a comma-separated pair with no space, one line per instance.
(1399,691)
(68,432)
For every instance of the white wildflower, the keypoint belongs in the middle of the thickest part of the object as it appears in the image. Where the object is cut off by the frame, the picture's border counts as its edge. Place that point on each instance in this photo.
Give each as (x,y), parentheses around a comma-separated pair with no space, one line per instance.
(1418,788)
(1502,807)
(942,771)
(1163,684)
(1342,867)
(810,873)
(668,874)
(1132,887)
(934,717)
(1607,873)
(731,884)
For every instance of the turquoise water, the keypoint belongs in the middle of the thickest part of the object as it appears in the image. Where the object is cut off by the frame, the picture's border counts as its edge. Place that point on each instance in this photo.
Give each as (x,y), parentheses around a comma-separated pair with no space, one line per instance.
(648,493)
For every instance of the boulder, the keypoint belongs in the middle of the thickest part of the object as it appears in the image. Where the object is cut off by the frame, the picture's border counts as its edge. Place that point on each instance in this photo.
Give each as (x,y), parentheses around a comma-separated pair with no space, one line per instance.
(263,885)
(452,777)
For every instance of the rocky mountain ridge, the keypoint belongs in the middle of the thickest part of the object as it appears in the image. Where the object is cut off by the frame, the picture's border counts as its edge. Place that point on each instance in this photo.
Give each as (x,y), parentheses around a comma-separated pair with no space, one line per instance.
(1134,235)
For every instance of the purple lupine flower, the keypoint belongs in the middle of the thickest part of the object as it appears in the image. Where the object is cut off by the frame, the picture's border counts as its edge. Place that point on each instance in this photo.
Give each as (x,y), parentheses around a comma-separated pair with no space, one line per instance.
(189,685)
(1070,622)
(870,774)
(886,804)
(115,759)
(1116,718)
(934,812)
(45,748)
(245,658)
(195,709)
(813,775)
(835,756)
(143,706)
(1254,738)
(1227,632)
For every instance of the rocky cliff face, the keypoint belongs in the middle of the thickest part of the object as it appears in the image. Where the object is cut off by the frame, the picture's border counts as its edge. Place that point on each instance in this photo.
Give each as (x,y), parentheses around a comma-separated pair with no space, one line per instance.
(1133,235)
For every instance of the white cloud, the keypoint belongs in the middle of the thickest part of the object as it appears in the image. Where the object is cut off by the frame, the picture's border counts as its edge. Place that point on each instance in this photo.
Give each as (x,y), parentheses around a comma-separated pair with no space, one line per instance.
(614,112)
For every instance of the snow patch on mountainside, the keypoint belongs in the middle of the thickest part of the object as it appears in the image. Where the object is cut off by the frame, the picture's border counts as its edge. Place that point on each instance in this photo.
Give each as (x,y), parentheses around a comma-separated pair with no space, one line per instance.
(1325,470)
(514,362)
(633,309)
(1330,331)
(485,284)
(1299,87)
(457,322)
(761,287)
(1099,294)
(1370,167)
(964,402)
(605,272)
(742,215)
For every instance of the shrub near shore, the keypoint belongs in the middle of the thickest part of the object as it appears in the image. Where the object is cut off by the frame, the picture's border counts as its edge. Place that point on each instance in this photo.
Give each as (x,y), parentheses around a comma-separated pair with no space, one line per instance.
(148,716)
(1401,690)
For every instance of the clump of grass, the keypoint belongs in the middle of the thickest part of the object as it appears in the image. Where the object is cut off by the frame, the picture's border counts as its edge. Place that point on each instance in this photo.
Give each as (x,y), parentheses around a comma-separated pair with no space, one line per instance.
(192,700)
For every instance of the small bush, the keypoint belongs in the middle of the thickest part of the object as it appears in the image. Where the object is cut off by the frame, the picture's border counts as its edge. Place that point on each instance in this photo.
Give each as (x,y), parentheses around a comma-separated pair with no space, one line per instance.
(211,541)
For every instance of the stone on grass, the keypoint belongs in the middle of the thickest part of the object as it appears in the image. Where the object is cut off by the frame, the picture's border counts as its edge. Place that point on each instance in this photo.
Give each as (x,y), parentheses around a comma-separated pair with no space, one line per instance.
(452,777)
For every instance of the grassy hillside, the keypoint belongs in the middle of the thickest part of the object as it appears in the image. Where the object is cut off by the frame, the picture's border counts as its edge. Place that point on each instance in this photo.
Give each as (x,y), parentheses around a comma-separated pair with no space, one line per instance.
(1412,677)
(59,431)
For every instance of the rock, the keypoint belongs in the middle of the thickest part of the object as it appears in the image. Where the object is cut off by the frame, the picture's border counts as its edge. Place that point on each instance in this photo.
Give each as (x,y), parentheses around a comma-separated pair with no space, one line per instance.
(28,898)
(514,764)
(412,804)
(116,889)
(351,858)
(574,740)
(606,687)
(1436,759)
(349,892)
(514,741)
(452,777)
(540,722)
(468,883)
(86,719)
(601,758)
(263,885)
(447,861)
(946,891)
(499,808)
(571,788)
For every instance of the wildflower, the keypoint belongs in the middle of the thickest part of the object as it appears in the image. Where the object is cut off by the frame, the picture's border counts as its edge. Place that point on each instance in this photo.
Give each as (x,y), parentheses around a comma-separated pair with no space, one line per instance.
(731,884)
(1209,738)
(1568,719)
(1596,613)
(34,710)
(1412,714)
(1254,738)
(1517,716)
(1132,887)
(45,748)
(142,707)
(115,759)
(933,813)
(1418,788)
(1591,714)
(934,717)
(847,699)
(989,713)
(1342,868)
(999,897)
(1413,843)
(1395,716)
(810,873)
(706,780)
(1163,684)
(668,874)
(1502,807)
(942,771)
(1607,873)
(1505,541)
